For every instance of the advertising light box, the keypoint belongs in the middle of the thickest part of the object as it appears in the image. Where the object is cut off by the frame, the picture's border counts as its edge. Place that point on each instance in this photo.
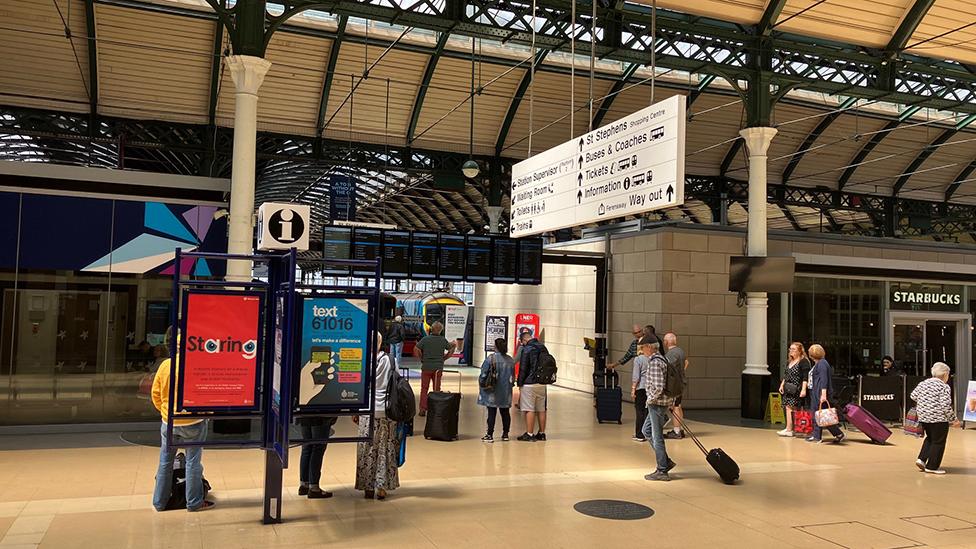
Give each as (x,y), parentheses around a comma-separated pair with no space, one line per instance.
(334,353)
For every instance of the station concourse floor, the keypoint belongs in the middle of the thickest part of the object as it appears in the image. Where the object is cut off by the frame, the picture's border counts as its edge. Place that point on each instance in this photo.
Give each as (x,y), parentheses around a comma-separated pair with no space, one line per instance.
(93,490)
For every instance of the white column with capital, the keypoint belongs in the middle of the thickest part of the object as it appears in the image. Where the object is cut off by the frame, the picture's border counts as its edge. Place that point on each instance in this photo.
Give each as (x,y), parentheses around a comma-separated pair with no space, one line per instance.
(494,217)
(757,143)
(248,74)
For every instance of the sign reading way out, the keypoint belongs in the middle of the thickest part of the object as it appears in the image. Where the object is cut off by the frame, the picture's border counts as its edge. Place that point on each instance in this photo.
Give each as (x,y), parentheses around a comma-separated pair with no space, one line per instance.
(630,166)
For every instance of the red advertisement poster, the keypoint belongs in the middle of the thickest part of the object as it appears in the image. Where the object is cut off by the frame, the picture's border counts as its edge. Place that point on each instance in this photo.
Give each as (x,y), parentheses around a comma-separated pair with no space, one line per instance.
(221,350)
(524,322)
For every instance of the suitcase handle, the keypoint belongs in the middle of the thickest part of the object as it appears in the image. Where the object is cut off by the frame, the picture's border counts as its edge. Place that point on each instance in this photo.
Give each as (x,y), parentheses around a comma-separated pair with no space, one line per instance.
(458,372)
(691,434)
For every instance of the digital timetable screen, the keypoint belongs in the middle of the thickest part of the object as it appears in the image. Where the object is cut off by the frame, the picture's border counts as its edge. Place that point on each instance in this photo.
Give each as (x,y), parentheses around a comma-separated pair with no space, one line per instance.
(530,261)
(504,259)
(336,244)
(396,254)
(451,257)
(423,256)
(477,259)
(366,244)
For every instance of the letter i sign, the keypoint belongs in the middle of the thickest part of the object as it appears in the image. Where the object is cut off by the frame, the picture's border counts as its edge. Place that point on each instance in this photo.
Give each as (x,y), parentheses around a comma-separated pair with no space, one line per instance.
(283,226)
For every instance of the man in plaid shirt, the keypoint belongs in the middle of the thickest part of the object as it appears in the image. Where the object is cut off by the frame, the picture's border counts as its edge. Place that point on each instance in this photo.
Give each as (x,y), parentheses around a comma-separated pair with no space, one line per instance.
(658,405)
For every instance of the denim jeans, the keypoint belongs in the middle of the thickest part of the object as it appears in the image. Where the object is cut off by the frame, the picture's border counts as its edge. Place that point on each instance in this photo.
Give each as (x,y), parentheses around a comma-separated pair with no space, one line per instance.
(194,466)
(397,352)
(657,416)
(310,469)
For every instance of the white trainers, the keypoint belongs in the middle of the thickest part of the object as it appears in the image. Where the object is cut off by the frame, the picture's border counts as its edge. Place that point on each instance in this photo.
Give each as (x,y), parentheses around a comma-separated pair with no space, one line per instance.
(936,471)
(784,433)
(920,464)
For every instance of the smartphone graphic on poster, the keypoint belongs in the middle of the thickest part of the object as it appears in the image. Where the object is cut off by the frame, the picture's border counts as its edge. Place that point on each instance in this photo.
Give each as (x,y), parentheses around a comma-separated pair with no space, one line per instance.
(322,355)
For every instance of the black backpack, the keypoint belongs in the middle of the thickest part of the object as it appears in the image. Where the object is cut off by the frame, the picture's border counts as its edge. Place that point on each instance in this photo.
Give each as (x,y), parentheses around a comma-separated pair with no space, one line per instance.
(545,366)
(490,378)
(401,403)
(177,497)
(674,379)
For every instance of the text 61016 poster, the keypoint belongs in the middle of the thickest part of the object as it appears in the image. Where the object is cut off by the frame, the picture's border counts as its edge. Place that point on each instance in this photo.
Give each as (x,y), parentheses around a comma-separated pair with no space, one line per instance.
(220,350)
(334,352)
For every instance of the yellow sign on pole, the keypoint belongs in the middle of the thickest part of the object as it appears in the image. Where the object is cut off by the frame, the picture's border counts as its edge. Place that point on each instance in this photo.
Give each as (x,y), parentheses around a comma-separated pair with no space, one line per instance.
(774,409)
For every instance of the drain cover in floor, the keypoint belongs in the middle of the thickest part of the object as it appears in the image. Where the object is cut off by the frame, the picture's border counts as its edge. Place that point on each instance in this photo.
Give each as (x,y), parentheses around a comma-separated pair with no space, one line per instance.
(614,509)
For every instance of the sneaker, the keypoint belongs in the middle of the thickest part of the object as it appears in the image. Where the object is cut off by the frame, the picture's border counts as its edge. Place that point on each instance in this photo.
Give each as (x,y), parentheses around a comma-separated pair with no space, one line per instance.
(671,465)
(785,433)
(839,439)
(811,439)
(540,437)
(658,475)
(207,505)
(638,439)
(935,471)
(671,435)
(487,438)
(920,464)
(319,494)
(526,437)
(505,437)
(303,490)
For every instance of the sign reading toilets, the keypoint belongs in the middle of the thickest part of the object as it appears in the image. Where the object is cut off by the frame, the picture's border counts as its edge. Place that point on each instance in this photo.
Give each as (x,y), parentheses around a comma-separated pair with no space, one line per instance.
(334,353)
(219,350)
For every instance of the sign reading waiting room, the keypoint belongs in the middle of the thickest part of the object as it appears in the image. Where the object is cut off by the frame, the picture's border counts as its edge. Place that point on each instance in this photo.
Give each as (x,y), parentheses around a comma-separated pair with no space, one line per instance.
(926,297)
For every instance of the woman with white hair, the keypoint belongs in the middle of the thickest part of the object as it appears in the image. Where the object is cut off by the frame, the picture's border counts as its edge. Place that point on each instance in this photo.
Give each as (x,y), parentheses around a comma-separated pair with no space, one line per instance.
(933,402)
(376,461)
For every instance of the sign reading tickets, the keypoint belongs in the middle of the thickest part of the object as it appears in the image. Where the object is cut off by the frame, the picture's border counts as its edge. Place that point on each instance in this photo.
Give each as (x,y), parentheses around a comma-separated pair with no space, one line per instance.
(220,350)
(496,327)
(334,352)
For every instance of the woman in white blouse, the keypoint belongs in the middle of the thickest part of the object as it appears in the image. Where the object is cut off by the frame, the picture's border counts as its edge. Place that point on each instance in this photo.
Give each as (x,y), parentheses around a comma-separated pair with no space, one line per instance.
(933,399)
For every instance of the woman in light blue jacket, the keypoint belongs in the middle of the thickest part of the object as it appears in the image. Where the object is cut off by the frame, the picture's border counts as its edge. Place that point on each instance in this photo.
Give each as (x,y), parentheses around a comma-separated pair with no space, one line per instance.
(497,397)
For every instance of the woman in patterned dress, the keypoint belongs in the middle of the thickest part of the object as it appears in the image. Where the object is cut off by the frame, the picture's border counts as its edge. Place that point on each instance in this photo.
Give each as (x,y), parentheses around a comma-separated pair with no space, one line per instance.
(376,462)
(796,375)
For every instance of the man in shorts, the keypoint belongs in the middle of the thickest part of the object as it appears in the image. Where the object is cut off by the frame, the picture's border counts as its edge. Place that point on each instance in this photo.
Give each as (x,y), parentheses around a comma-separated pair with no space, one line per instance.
(532,399)
(676,356)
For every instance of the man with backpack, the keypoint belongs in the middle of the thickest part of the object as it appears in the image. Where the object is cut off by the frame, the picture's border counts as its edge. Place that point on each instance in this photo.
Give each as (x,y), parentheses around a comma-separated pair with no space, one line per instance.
(660,383)
(676,357)
(537,368)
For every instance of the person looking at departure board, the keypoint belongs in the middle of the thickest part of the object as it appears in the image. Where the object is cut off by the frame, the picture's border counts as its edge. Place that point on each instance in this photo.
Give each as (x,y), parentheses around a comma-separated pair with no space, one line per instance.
(432,351)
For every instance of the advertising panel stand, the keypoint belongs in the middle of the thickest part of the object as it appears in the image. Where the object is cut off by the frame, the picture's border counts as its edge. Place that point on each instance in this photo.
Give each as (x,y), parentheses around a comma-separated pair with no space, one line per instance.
(243,350)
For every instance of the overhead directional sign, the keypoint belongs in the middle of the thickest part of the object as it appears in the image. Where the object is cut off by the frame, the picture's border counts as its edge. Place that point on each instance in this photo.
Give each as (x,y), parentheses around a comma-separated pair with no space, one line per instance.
(631,166)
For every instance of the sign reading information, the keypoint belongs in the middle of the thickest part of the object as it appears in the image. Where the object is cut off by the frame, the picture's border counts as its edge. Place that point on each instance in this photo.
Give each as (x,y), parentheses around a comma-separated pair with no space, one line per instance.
(631,166)
(334,353)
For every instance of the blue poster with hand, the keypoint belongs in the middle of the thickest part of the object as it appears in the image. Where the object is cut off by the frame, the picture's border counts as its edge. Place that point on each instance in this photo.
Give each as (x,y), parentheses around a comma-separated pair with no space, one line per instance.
(334,353)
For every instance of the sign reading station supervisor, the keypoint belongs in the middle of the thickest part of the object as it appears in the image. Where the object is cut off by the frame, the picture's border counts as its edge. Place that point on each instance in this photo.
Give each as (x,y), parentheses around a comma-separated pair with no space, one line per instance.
(334,352)
(631,166)
(220,350)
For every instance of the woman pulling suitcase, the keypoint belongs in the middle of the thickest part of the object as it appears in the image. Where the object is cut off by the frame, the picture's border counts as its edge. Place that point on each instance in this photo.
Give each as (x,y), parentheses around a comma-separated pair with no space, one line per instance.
(821,390)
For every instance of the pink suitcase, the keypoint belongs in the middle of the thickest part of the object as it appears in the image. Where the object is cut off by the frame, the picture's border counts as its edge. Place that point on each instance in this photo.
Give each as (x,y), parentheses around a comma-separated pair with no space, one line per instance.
(867,423)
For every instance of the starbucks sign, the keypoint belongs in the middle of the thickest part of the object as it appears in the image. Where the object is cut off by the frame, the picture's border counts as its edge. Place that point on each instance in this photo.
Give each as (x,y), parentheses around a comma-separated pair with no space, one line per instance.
(926,297)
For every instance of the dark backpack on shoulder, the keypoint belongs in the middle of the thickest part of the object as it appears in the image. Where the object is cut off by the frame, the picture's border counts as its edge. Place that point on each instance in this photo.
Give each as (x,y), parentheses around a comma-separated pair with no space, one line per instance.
(401,403)
(545,366)
(674,379)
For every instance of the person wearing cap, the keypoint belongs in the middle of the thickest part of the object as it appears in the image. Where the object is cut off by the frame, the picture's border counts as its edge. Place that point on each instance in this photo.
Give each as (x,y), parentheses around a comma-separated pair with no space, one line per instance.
(394,336)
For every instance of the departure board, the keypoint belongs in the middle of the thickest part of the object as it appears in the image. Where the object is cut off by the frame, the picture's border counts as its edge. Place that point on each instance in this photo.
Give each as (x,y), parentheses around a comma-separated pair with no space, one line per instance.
(366,244)
(451,257)
(530,261)
(423,256)
(336,242)
(396,254)
(504,259)
(477,258)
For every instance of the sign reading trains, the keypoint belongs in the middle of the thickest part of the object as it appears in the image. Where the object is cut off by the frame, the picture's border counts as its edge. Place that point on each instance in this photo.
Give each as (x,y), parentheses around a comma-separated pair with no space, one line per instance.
(631,166)
(220,350)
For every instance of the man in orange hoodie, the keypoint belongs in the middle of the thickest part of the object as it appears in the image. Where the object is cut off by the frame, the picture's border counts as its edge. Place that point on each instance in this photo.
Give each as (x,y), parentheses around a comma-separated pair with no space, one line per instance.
(184,430)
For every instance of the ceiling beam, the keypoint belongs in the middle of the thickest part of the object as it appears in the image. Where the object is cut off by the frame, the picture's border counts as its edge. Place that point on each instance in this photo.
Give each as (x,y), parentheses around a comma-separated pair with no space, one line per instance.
(615,90)
(790,217)
(703,84)
(928,151)
(92,58)
(418,104)
(812,137)
(215,66)
(872,143)
(909,23)
(330,68)
(963,176)
(513,107)
(730,156)
(769,17)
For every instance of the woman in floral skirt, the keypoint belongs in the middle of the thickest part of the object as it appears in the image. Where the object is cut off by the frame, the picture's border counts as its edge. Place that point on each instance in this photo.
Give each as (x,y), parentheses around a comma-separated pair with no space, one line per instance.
(376,462)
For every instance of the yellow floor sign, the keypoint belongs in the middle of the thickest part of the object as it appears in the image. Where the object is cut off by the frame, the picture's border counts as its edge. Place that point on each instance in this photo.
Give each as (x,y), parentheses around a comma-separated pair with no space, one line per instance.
(774,409)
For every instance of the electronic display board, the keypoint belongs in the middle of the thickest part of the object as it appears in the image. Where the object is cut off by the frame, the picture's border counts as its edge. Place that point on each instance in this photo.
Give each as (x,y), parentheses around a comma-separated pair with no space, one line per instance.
(366,244)
(396,254)
(504,259)
(530,261)
(336,243)
(477,258)
(451,261)
(423,255)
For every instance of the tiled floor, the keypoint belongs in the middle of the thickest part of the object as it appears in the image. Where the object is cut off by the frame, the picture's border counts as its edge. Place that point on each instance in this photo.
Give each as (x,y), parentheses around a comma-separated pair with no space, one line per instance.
(471,494)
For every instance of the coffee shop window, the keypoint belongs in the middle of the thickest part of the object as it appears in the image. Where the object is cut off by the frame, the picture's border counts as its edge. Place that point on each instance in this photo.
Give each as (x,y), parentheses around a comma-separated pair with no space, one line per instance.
(845,316)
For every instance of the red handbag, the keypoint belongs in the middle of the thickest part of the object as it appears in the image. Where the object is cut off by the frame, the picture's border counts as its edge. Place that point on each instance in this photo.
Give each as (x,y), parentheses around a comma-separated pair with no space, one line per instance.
(803,422)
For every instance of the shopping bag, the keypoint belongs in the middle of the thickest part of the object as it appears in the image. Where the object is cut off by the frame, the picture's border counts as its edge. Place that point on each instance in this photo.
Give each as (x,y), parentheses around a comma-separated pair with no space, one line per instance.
(826,417)
(803,422)
(912,426)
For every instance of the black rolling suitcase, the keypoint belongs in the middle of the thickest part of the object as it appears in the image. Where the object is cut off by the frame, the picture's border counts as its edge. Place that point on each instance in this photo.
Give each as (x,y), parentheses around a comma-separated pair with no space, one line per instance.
(725,466)
(443,408)
(609,397)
